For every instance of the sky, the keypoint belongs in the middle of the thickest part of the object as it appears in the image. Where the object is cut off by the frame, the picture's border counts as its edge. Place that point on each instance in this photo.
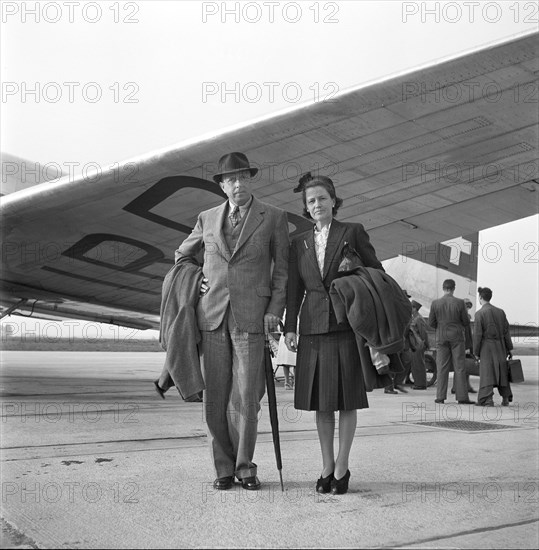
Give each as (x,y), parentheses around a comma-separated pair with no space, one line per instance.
(95,83)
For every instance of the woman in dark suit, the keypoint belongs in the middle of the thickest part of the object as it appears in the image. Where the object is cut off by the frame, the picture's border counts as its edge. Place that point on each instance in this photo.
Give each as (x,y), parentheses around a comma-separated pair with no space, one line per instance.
(328,367)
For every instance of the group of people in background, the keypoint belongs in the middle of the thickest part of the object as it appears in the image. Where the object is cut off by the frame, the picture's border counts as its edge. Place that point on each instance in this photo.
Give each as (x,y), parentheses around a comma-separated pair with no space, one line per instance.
(251,273)
(491,344)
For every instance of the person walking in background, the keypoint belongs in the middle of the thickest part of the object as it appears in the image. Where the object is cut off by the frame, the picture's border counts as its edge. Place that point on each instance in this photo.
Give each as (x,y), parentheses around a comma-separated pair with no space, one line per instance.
(287,360)
(243,292)
(449,317)
(468,337)
(283,358)
(468,347)
(399,379)
(420,329)
(492,344)
(328,373)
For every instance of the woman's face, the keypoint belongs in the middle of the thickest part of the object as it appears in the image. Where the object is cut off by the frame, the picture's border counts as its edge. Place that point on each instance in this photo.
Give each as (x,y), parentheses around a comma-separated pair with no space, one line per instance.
(319,204)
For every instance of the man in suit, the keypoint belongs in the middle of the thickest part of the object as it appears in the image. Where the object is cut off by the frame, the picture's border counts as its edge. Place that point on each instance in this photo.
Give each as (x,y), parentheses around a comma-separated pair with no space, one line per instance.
(449,317)
(243,293)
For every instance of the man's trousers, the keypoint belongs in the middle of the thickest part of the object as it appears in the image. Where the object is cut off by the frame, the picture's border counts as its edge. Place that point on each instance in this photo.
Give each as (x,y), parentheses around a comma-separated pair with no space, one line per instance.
(233,370)
(447,354)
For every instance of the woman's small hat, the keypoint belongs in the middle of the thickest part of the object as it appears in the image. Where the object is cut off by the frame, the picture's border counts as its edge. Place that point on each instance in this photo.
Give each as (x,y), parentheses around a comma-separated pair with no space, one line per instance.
(416,305)
(307,177)
(232,163)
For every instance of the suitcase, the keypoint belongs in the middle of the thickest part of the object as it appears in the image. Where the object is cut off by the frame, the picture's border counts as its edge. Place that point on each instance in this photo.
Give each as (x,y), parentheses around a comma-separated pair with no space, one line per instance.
(514,366)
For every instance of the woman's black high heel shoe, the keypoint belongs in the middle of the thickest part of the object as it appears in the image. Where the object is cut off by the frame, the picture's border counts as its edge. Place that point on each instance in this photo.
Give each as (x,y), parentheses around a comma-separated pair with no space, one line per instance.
(323,485)
(340,486)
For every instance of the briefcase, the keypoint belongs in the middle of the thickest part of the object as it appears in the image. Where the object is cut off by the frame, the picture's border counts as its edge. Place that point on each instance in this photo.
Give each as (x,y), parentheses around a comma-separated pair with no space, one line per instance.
(514,367)
(472,366)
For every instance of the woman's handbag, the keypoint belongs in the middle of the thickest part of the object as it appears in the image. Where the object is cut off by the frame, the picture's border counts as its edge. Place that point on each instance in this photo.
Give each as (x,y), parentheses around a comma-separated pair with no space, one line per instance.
(514,367)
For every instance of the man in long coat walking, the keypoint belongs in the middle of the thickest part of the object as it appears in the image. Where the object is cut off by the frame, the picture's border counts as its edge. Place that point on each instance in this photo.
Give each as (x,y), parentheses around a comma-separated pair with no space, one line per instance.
(493,345)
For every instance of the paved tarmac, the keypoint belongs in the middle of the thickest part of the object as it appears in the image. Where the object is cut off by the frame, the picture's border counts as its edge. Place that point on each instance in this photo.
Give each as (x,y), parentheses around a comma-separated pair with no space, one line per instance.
(92,458)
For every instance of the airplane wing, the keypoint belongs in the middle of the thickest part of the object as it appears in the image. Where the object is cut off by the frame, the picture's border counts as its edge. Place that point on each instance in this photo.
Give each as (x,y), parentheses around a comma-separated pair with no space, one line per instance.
(419,158)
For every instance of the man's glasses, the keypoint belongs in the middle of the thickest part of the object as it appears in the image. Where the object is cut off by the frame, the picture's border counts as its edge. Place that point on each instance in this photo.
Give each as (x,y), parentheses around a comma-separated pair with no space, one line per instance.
(240,176)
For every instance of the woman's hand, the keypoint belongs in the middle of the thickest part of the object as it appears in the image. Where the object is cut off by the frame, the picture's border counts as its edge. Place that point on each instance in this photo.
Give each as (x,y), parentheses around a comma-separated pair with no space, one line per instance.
(291,341)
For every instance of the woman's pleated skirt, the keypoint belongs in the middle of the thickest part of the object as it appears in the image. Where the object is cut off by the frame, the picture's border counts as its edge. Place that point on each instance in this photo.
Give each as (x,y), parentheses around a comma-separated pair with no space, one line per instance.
(328,373)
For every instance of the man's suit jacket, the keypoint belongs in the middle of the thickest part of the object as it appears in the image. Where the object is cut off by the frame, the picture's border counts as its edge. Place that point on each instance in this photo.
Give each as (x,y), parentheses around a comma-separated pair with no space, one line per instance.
(448,315)
(304,278)
(244,277)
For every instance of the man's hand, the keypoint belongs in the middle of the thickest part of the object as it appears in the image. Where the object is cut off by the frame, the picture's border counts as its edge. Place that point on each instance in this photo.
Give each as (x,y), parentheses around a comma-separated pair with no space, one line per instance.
(509,355)
(291,341)
(204,287)
(271,323)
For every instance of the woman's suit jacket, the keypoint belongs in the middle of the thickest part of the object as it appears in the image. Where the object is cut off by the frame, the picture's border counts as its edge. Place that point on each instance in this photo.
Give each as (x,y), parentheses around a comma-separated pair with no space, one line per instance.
(307,285)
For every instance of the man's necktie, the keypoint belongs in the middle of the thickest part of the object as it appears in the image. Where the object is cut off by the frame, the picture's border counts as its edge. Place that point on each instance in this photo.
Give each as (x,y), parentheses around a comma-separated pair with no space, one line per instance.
(235,216)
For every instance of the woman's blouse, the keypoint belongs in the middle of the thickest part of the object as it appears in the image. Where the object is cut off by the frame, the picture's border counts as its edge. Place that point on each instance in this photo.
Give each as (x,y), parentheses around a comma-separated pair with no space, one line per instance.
(320,243)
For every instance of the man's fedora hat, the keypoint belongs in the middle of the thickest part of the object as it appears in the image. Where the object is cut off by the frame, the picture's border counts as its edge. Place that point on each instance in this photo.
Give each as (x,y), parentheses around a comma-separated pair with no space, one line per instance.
(232,163)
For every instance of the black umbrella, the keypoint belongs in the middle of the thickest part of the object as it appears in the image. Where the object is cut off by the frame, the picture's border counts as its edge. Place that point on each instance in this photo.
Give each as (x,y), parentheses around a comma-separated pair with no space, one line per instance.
(272,401)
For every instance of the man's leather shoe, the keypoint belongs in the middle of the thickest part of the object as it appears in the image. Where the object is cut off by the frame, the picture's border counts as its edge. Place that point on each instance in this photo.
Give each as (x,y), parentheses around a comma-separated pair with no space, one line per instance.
(250,483)
(486,404)
(389,390)
(439,400)
(223,483)
(419,387)
(466,402)
(400,388)
(471,390)
(505,402)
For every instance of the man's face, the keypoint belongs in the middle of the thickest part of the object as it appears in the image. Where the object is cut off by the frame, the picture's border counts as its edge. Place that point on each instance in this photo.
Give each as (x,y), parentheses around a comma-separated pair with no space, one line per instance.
(237,187)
